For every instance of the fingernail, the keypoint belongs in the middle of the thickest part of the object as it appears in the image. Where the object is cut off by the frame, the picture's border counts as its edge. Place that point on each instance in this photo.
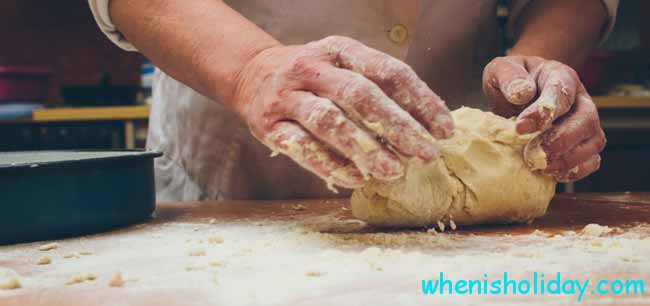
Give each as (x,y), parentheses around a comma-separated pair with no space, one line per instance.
(348,177)
(428,152)
(387,167)
(520,91)
(443,127)
(526,126)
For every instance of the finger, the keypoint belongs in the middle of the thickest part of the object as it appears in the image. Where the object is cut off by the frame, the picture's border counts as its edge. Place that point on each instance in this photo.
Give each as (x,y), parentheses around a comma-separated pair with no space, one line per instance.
(397,80)
(363,101)
(559,84)
(578,154)
(580,171)
(290,139)
(506,80)
(580,124)
(330,125)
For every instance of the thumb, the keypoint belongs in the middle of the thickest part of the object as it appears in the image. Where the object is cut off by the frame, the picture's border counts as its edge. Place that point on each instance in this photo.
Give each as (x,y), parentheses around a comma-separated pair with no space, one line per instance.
(507,81)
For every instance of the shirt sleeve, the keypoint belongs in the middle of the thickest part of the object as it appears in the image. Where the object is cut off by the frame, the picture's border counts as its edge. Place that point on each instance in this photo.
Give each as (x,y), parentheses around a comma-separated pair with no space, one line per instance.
(103,19)
(517,7)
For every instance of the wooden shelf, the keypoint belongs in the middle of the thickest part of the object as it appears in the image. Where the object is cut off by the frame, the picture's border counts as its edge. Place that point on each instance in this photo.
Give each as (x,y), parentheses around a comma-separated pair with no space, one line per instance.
(139,112)
(620,102)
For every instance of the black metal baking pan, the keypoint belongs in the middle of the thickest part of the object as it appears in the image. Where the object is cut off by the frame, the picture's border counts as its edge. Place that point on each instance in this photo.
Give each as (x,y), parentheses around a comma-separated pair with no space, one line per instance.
(54,194)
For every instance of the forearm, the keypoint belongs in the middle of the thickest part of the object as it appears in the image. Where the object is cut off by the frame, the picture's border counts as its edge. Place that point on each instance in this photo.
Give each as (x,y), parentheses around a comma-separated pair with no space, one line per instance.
(562,30)
(202,43)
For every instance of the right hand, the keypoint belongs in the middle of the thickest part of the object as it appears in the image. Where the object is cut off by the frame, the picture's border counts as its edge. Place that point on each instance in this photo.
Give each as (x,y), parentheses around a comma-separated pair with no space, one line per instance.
(339,109)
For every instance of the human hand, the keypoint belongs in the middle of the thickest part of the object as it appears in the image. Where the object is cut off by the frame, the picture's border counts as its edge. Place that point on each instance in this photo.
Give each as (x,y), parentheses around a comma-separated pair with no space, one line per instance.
(548,96)
(341,109)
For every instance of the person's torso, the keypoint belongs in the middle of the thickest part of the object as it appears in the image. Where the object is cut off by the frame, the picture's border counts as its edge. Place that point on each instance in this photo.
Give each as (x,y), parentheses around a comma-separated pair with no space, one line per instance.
(209,153)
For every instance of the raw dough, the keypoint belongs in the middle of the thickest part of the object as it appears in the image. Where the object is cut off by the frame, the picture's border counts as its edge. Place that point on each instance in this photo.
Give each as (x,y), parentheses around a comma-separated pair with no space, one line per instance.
(481,177)
(48,247)
(80,278)
(116,280)
(9,280)
(45,260)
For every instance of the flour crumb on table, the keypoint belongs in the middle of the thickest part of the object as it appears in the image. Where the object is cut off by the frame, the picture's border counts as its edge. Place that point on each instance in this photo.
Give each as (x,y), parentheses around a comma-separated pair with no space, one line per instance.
(116,280)
(595,230)
(441,226)
(9,282)
(215,239)
(298,207)
(71,255)
(314,273)
(48,247)
(80,278)
(196,253)
(45,260)
(85,253)
(191,268)
(212,221)
(216,263)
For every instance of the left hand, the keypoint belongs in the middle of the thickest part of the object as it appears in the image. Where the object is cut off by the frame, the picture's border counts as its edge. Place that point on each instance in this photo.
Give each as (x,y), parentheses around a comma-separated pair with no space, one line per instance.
(548,96)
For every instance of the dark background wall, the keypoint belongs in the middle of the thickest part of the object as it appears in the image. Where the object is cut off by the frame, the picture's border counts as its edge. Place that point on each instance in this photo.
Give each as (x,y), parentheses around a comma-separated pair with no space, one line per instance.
(62,35)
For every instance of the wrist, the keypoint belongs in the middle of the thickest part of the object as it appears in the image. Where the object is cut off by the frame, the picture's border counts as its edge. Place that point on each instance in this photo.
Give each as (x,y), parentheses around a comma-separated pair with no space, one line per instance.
(225,76)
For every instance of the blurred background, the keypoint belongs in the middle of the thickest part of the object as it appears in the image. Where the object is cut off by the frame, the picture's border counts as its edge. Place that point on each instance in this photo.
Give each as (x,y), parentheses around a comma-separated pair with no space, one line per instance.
(63,85)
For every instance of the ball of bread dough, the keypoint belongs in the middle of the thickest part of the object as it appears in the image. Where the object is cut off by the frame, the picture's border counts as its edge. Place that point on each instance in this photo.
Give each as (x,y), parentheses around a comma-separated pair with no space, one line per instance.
(480,178)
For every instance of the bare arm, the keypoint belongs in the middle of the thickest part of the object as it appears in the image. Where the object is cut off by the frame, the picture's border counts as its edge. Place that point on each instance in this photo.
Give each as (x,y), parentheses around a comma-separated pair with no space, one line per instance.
(561,30)
(323,103)
(202,43)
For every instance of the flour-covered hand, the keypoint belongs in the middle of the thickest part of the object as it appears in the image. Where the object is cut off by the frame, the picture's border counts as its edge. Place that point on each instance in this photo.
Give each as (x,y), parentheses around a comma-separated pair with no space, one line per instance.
(341,109)
(547,96)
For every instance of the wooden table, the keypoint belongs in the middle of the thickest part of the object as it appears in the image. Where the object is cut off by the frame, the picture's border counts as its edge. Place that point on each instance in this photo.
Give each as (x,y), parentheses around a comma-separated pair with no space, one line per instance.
(314,253)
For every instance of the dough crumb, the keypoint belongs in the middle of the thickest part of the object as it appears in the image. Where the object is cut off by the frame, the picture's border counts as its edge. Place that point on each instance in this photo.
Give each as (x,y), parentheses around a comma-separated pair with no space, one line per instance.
(48,247)
(194,268)
(298,207)
(432,231)
(314,273)
(212,221)
(10,284)
(71,255)
(116,280)
(215,240)
(85,253)
(45,260)
(196,253)
(80,278)
(216,263)
(632,258)
(595,230)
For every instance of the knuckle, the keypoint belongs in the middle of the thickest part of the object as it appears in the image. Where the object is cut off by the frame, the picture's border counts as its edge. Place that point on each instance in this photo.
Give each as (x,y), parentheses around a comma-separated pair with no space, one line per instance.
(354,88)
(602,142)
(326,118)
(338,40)
(303,67)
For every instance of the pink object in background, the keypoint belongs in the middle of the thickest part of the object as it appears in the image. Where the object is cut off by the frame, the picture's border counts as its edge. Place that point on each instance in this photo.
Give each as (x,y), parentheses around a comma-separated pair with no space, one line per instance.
(24,84)
(593,71)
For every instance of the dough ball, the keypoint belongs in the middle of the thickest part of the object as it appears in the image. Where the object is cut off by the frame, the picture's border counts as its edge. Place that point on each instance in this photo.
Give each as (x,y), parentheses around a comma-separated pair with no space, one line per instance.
(480,178)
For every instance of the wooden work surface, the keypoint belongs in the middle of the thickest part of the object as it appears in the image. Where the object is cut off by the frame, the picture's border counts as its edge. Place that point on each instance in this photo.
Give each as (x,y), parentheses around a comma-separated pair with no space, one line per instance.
(314,253)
